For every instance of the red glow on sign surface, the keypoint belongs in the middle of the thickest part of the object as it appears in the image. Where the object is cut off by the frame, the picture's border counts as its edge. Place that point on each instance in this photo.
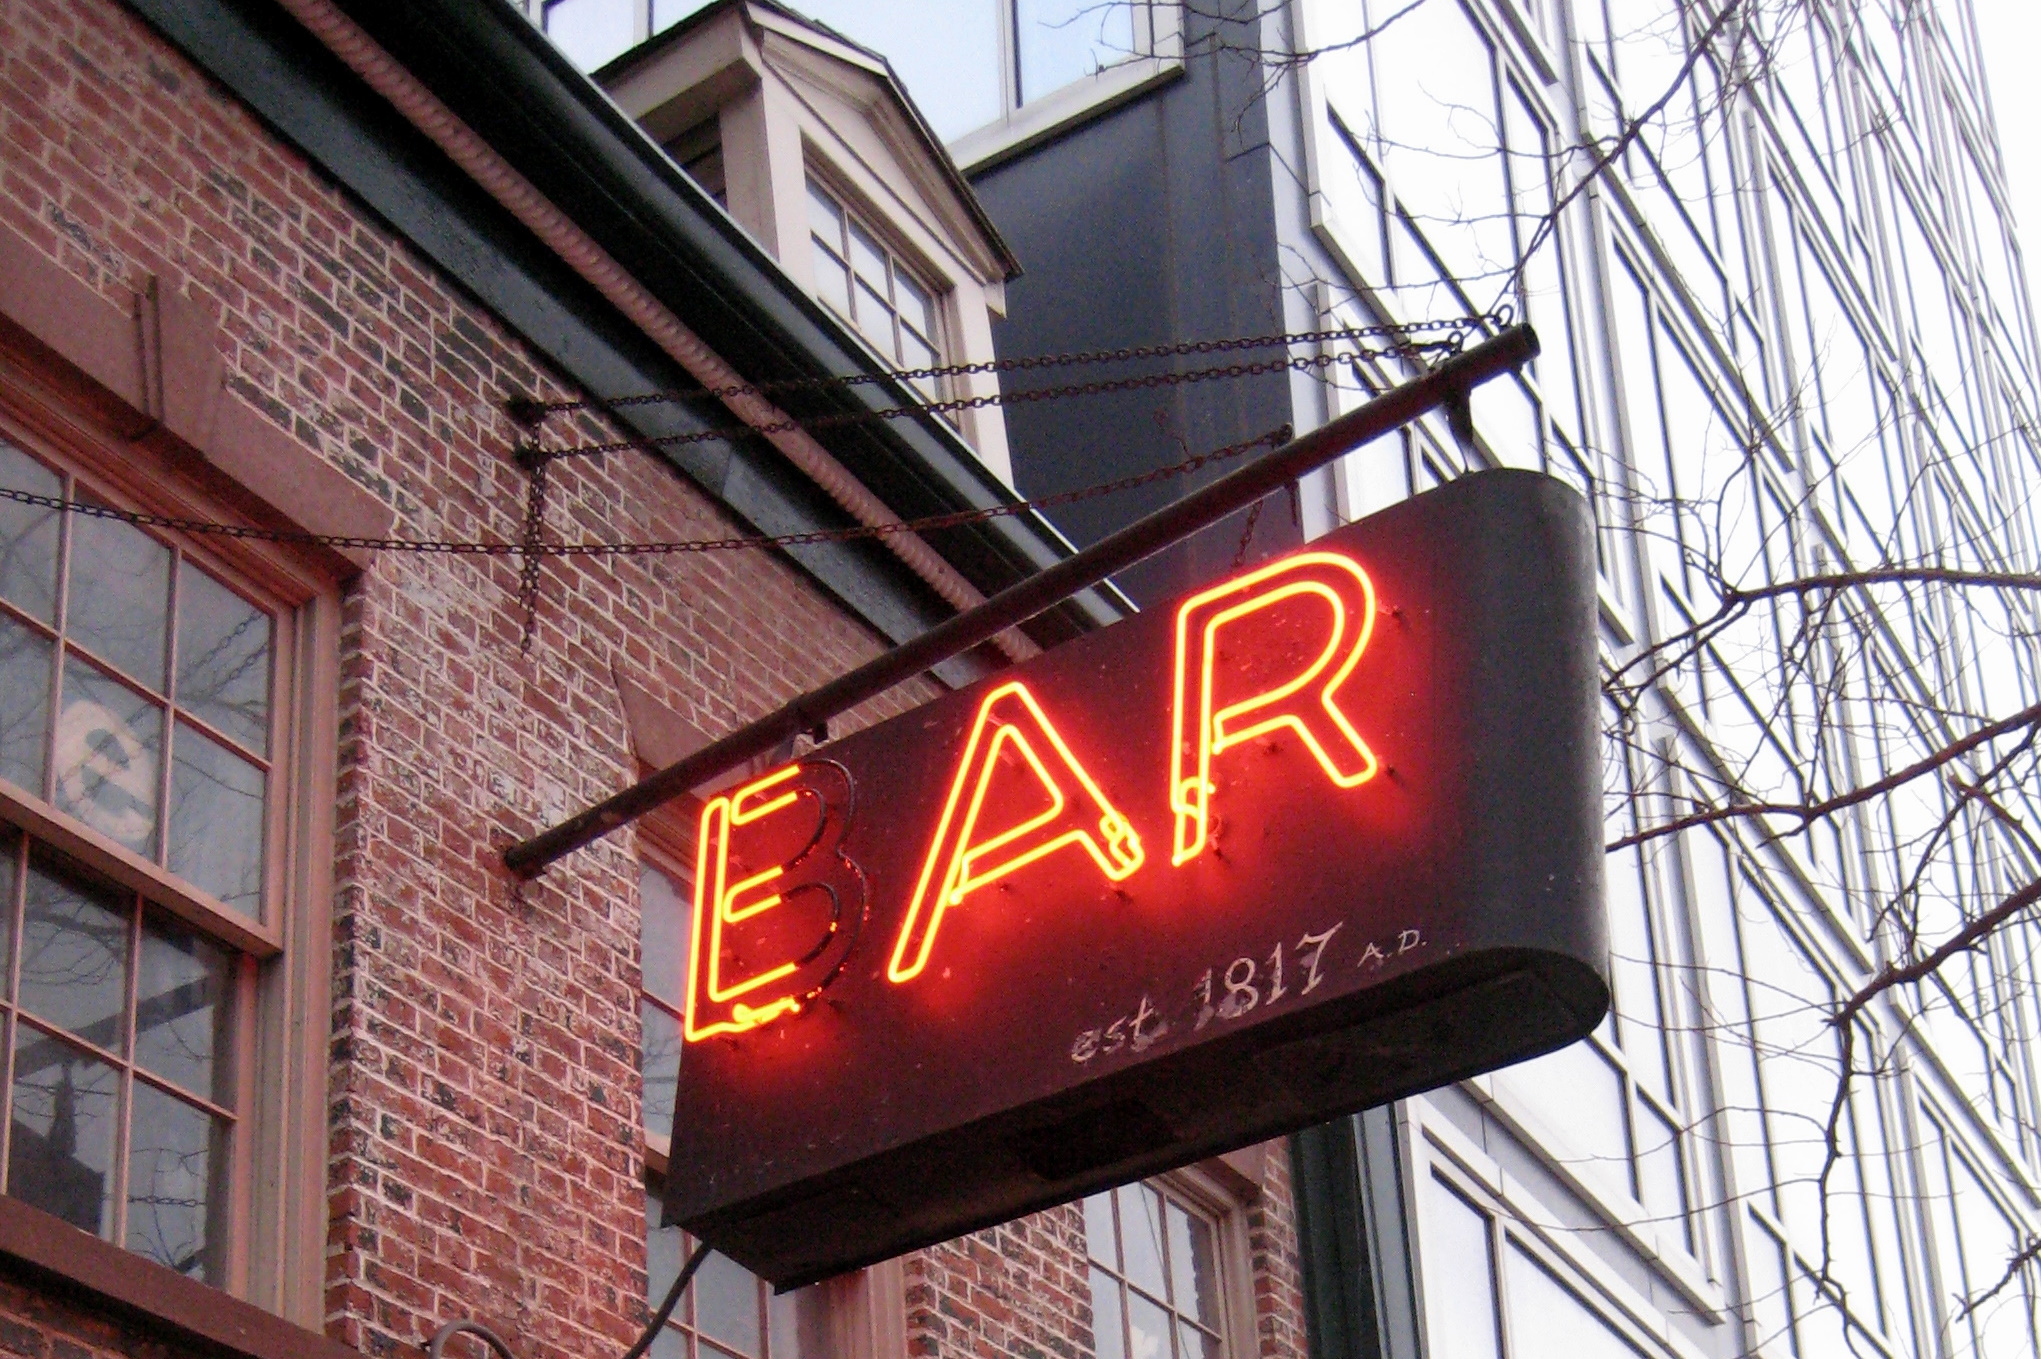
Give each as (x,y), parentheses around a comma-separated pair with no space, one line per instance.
(772,921)
(1203,727)
(959,862)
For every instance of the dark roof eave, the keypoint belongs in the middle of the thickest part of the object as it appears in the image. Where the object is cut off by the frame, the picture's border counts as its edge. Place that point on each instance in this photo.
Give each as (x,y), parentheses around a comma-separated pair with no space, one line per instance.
(488,64)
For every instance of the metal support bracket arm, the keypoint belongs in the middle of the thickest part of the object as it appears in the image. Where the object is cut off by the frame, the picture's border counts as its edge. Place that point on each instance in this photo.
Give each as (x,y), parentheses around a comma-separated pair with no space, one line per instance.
(1452,380)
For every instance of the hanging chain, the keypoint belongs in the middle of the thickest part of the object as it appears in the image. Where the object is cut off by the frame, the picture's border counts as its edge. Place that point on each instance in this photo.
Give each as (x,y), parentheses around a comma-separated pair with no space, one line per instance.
(531,546)
(1247,533)
(533,460)
(1101,387)
(1447,336)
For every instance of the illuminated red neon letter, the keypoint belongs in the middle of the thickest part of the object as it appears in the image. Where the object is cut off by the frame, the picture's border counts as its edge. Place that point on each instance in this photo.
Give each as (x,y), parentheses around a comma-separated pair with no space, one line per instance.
(1009,719)
(777,906)
(1201,729)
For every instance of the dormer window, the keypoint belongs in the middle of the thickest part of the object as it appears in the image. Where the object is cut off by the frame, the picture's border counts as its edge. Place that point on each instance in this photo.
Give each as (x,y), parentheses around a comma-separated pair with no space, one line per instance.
(872,288)
(812,147)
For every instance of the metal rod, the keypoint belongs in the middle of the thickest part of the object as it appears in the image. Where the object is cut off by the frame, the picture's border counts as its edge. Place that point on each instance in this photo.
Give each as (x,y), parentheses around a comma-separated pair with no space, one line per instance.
(1396,407)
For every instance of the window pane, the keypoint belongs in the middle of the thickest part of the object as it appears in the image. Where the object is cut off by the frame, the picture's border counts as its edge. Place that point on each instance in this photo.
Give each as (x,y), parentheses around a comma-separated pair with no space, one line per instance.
(868,260)
(825,218)
(28,536)
(1062,41)
(1193,1267)
(1548,1322)
(24,705)
(184,1009)
(60,1149)
(1580,1097)
(726,1303)
(660,1065)
(916,308)
(1147,1329)
(174,1151)
(1196,1344)
(1107,1328)
(798,1324)
(223,659)
(1661,1186)
(1141,1236)
(1099,1237)
(664,922)
(216,804)
(1459,1287)
(664,1250)
(74,954)
(917,353)
(875,319)
(120,596)
(832,280)
(108,743)
(590,32)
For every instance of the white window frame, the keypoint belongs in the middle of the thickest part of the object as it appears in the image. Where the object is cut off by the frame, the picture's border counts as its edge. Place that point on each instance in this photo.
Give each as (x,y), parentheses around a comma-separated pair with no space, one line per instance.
(1022,125)
(1435,1147)
(899,262)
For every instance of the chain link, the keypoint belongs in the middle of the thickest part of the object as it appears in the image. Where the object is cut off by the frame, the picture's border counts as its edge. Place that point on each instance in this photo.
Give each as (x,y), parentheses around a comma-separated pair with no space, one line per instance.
(533,549)
(1100,387)
(533,460)
(1450,337)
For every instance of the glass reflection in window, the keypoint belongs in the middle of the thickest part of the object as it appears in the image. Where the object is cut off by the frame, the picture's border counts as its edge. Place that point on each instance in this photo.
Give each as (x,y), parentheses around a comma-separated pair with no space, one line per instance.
(1155,1287)
(117,650)
(1061,42)
(124,1031)
(727,1311)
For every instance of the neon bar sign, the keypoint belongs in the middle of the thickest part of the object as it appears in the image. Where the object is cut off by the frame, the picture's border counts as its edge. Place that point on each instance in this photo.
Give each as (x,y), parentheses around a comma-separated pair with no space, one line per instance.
(1191,881)
(970,851)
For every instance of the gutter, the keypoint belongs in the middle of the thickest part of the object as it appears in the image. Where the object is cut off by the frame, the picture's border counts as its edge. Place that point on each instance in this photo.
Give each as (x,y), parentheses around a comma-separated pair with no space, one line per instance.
(424,111)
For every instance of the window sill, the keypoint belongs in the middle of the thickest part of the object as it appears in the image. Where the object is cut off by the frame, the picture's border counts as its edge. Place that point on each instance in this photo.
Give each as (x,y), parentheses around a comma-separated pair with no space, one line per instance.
(1054,114)
(50,1250)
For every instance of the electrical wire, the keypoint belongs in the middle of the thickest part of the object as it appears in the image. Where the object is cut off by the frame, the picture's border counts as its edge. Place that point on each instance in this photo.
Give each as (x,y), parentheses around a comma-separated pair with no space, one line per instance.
(530,550)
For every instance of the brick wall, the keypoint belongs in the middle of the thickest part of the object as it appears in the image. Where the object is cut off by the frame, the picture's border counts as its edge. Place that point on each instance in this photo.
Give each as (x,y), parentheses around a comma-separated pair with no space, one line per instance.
(485,1157)
(1022,1291)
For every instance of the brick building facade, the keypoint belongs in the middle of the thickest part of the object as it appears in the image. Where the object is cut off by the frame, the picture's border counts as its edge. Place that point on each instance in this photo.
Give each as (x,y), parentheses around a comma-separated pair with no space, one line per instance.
(241,286)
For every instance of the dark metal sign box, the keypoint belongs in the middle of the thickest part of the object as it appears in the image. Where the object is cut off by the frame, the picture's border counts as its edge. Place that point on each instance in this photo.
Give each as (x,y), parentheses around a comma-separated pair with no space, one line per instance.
(1001,951)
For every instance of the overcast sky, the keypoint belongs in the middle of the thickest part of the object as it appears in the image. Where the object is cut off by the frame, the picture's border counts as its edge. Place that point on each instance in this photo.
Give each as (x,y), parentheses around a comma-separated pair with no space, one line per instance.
(2010,32)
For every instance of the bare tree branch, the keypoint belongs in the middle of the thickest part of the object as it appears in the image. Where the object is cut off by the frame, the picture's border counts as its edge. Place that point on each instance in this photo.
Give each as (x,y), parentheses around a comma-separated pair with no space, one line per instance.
(1809,812)
(1969,937)
(2028,1255)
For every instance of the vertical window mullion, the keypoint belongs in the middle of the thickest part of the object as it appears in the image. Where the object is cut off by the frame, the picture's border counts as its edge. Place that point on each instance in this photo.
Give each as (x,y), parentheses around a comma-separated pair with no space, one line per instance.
(7,1024)
(167,760)
(240,1196)
(63,630)
(893,301)
(124,1050)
